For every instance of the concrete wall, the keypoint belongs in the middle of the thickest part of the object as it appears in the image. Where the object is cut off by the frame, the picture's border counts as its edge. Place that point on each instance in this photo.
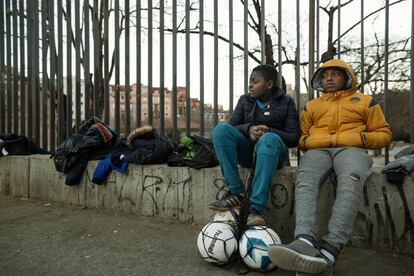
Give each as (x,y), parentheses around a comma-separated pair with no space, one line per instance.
(385,220)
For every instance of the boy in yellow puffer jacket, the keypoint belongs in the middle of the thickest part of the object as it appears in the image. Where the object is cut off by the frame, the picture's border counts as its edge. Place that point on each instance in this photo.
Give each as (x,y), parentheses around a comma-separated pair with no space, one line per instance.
(336,130)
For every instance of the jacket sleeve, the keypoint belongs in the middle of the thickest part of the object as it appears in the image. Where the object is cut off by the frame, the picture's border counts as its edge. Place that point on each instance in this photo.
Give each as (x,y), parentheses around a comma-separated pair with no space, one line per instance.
(378,133)
(305,125)
(290,133)
(237,118)
(102,170)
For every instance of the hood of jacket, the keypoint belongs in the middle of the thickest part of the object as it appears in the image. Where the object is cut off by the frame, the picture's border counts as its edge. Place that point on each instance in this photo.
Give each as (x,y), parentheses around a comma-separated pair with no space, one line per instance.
(352,82)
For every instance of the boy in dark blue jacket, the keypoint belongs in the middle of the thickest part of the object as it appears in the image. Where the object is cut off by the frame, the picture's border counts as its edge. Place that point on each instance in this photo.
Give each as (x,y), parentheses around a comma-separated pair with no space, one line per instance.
(265,120)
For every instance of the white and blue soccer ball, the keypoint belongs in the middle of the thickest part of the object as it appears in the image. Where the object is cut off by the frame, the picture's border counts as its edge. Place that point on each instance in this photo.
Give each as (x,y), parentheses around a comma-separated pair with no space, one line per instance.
(253,247)
(217,242)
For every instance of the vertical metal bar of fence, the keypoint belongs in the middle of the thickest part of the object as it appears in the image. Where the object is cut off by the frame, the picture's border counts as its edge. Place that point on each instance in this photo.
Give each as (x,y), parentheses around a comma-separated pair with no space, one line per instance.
(23,83)
(117,96)
(231,57)
(8,68)
(317,36)
(138,91)
(2,68)
(15,71)
(60,105)
(215,62)
(187,68)
(311,46)
(297,64)
(127,85)
(386,92)
(412,76)
(362,49)
(339,29)
(29,68)
(86,64)
(279,48)
(106,62)
(174,69)
(149,97)
(45,80)
(317,39)
(263,32)
(246,45)
(35,85)
(201,43)
(77,66)
(162,70)
(97,65)
(52,79)
(68,68)
(36,80)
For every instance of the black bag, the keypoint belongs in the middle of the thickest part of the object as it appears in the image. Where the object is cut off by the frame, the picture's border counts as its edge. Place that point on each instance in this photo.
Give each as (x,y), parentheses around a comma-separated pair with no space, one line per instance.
(197,153)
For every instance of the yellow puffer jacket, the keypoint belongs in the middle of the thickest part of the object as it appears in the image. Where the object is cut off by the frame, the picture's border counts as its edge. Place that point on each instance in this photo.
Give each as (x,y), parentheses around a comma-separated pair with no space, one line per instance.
(343,118)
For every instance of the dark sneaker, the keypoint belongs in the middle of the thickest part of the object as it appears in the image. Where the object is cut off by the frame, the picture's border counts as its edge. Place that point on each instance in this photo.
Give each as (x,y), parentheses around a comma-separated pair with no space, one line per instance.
(255,219)
(297,256)
(328,271)
(228,201)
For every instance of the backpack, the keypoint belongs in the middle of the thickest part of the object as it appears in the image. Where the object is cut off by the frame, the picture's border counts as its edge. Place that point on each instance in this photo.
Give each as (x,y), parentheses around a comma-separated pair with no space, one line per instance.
(195,152)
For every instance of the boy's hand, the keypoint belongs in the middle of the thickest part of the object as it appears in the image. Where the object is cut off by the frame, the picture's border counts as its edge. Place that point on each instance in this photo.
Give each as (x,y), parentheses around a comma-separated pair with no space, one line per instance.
(255,132)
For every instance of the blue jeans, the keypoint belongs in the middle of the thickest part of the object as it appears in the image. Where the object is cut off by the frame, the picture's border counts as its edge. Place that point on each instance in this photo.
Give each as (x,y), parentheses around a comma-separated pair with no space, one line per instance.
(232,148)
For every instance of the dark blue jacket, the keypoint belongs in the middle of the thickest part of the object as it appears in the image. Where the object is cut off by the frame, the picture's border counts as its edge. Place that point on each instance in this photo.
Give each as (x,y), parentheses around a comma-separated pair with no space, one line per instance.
(283,119)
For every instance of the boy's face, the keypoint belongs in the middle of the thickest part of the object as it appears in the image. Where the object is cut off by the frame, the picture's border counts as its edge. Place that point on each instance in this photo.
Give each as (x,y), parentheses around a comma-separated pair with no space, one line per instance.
(333,79)
(258,86)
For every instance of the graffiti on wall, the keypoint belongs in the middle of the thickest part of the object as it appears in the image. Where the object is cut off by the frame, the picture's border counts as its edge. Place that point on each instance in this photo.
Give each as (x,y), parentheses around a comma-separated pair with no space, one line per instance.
(159,190)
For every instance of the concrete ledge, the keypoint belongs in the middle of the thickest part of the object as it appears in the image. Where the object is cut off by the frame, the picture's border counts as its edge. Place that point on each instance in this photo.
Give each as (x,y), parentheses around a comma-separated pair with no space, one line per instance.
(385,220)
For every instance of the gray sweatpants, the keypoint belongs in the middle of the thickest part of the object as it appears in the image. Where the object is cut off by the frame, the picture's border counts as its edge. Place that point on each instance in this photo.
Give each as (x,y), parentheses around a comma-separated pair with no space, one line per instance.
(352,167)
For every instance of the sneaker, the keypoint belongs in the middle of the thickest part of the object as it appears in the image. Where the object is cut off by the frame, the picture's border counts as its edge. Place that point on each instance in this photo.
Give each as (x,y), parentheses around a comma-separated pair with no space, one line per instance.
(328,271)
(255,219)
(228,201)
(297,256)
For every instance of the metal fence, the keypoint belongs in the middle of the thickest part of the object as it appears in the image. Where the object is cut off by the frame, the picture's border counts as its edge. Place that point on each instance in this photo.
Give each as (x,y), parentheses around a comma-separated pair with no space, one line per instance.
(61,60)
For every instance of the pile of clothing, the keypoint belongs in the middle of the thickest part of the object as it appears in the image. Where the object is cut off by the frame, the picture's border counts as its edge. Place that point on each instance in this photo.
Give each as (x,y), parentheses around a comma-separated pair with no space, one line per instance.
(143,146)
(13,144)
(94,140)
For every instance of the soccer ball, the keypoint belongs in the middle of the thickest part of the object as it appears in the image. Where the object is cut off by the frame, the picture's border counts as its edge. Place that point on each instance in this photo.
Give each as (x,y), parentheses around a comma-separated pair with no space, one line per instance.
(216,242)
(253,247)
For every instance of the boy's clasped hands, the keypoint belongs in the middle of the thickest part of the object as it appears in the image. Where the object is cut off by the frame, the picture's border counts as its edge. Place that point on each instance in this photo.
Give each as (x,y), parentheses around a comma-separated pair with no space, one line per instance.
(255,132)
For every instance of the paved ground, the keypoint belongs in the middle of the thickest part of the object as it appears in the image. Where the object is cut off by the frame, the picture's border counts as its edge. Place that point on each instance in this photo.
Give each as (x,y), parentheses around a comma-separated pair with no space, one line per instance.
(39,238)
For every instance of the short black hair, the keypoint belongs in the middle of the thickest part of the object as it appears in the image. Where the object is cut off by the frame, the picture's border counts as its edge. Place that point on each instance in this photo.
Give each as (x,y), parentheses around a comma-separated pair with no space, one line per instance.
(268,72)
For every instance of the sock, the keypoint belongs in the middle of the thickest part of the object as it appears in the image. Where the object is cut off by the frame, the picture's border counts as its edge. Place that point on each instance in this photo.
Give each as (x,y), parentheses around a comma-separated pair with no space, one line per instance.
(328,255)
(308,242)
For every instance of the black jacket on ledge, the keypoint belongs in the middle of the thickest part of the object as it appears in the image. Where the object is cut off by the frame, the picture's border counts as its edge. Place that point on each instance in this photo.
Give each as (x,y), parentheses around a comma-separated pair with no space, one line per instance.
(14,144)
(282,120)
(94,140)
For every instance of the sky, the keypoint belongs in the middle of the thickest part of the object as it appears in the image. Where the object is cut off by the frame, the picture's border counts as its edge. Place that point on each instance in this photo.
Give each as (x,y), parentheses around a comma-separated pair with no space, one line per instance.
(400,26)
